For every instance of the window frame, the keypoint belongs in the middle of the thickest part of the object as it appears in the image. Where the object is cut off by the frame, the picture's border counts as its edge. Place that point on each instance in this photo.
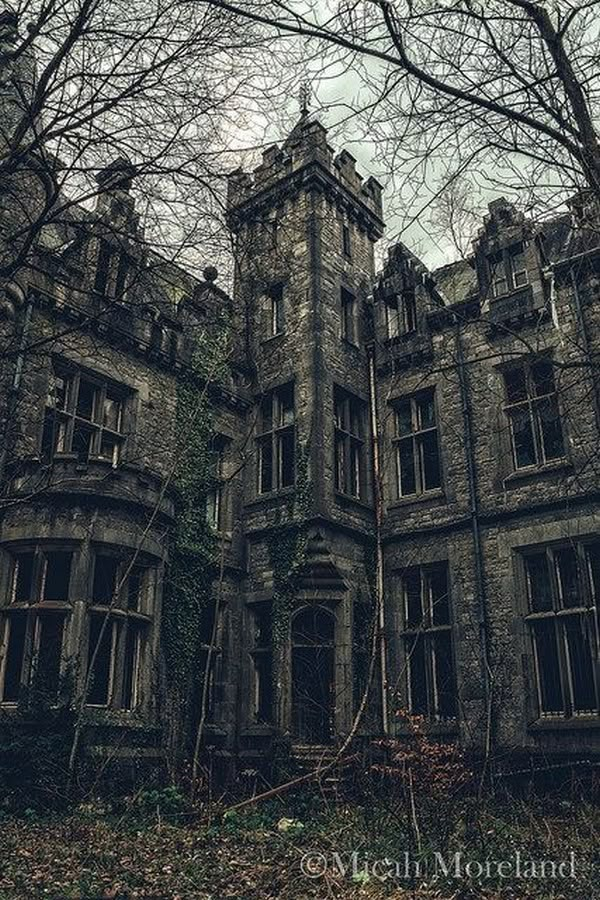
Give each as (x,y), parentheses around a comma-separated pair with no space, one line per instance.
(216,495)
(502,270)
(60,422)
(261,655)
(122,620)
(348,316)
(416,437)
(276,309)
(349,466)
(276,438)
(558,616)
(36,609)
(428,634)
(401,314)
(532,403)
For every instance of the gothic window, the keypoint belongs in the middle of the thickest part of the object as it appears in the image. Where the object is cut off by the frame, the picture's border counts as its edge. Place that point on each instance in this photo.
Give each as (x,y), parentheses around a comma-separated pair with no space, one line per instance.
(417,445)
(533,414)
(262,662)
(563,590)
(401,314)
(34,622)
(427,637)
(276,440)
(84,416)
(120,617)
(508,270)
(275,309)
(349,328)
(215,497)
(349,462)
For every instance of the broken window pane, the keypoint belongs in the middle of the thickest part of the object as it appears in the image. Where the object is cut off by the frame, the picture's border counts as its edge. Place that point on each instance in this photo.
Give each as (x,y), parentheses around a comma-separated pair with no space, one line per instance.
(551,428)
(23,578)
(523,440)
(86,399)
(57,575)
(538,581)
(49,651)
(550,688)
(131,666)
(105,579)
(566,572)
(413,610)
(579,632)
(415,646)
(100,642)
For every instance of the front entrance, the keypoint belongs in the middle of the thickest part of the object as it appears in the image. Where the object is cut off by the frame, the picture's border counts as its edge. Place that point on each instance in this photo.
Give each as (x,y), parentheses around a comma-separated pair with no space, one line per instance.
(313,681)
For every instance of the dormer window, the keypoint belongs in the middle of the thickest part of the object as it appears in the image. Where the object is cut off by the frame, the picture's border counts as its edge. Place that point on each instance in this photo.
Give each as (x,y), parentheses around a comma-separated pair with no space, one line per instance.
(508,270)
(401,314)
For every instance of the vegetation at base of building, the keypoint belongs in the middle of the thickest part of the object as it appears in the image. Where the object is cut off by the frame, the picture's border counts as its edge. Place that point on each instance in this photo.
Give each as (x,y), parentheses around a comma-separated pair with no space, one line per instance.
(151,847)
(35,742)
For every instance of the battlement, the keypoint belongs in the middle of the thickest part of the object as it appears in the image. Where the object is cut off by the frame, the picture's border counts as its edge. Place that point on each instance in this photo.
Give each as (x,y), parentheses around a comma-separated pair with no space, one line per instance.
(306,144)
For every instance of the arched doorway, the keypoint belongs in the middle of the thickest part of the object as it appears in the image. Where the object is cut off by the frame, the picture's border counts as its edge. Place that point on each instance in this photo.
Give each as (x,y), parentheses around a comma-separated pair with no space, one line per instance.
(313,631)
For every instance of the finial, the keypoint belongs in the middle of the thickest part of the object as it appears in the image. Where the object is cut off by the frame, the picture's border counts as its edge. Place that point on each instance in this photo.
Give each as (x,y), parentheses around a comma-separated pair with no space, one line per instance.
(304,98)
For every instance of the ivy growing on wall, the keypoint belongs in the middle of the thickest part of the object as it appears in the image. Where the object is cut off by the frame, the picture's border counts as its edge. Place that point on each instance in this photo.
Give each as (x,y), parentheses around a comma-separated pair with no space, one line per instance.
(287,551)
(194,551)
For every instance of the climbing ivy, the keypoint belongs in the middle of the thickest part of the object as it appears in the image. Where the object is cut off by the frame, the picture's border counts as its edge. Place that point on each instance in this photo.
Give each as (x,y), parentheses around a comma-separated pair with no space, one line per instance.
(287,549)
(194,552)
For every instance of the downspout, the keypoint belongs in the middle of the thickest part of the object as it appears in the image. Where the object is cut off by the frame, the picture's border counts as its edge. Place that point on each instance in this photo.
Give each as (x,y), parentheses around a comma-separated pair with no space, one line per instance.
(378,494)
(482,619)
(16,382)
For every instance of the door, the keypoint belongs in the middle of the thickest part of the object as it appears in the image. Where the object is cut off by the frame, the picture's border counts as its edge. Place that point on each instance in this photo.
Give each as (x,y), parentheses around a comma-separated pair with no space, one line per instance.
(313,681)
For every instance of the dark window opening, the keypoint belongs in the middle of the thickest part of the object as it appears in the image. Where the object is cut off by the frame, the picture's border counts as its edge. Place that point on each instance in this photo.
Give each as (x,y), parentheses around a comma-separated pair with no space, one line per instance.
(83,416)
(23,578)
(276,309)
(106,570)
(262,663)
(563,621)
(102,267)
(101,659)
(508,270)
(348,316)
(57,576)
(15,629)
(533,414)
(349,463)
(417,446)
(47,661)
(427,636)
(276,440)
(401,314)
(131,665)
(346,241)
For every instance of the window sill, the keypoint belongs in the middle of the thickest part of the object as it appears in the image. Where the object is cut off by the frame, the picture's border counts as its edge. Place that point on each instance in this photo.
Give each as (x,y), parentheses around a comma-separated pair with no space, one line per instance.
(271,495)
(431,496)
(354,501)
(533,473)
(573,723)
(346,342)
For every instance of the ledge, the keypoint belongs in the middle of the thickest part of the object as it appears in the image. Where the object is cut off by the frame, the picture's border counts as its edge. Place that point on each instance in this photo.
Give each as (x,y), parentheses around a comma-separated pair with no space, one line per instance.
(271,496)
(416,499)
(534,473)
(347,499)
(574,723)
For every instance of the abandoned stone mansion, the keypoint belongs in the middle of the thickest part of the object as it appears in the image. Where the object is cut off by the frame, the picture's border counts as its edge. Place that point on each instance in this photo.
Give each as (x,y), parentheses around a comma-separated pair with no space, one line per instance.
(403,483)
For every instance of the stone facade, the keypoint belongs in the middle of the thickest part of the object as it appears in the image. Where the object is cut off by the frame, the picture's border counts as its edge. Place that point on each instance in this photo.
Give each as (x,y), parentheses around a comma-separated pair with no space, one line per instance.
(479,518)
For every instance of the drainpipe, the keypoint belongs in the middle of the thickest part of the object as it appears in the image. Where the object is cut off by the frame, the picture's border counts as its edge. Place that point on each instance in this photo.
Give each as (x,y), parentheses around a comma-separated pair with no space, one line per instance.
(476,535)
(16,383)
(378,492)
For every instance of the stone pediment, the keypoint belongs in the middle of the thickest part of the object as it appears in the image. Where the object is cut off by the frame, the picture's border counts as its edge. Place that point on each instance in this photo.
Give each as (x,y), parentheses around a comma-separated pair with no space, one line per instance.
(319,573)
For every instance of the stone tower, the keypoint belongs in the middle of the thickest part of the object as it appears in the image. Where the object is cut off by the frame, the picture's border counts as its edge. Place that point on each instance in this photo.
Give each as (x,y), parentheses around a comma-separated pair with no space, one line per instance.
(305,225)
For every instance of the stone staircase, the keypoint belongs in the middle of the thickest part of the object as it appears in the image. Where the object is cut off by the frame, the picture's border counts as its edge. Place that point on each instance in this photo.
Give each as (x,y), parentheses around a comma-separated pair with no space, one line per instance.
(316,757)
